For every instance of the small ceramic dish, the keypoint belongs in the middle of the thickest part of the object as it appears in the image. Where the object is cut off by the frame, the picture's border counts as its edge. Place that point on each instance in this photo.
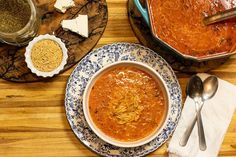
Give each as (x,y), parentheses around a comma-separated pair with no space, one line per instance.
(141,66)
(28,56)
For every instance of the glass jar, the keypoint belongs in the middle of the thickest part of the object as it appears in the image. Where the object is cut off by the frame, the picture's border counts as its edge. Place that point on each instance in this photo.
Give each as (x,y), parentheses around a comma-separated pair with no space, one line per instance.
(26,33)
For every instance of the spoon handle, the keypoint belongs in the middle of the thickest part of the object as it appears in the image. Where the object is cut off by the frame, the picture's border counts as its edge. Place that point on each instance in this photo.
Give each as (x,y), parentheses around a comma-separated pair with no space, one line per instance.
(201,134)
(221,16)
(188,132)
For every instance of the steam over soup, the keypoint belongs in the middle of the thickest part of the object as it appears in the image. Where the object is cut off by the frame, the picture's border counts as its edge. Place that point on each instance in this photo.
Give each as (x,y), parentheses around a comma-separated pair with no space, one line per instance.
(127,104)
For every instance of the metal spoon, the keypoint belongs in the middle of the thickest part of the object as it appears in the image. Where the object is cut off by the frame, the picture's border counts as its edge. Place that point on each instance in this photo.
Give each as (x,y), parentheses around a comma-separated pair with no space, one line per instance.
(221,16)
(210,85)
(195,91)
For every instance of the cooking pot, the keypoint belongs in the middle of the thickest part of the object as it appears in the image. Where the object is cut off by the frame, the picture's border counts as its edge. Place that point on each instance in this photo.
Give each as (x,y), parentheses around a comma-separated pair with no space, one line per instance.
(148,18)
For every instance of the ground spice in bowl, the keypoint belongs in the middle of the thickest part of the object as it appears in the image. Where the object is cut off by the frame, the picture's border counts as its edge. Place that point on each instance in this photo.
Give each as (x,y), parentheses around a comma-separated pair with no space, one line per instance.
(46,55)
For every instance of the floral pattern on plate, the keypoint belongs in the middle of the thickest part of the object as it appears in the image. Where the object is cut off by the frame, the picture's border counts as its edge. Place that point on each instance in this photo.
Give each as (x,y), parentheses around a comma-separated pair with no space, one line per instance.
(84,71)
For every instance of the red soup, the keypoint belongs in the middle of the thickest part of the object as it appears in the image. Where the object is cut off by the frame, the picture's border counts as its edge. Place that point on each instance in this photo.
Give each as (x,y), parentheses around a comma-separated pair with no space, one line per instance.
(180,24)
(127,104)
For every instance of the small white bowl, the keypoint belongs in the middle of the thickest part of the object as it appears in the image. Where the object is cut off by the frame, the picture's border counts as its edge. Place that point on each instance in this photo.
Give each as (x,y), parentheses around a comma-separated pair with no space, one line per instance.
(102,135)
(29,61)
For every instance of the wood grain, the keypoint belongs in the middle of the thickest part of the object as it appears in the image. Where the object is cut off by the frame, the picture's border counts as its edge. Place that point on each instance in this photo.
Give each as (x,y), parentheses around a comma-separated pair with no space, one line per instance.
(12,60)
(32,116)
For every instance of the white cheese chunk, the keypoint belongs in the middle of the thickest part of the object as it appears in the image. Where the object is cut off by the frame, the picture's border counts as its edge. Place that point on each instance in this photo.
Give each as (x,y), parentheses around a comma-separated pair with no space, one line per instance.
(78,25)
(70,25)
(82,22)
(63,5)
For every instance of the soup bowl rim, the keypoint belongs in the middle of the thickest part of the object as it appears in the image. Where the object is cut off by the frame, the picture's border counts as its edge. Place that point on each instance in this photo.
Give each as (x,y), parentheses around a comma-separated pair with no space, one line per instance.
(103,136)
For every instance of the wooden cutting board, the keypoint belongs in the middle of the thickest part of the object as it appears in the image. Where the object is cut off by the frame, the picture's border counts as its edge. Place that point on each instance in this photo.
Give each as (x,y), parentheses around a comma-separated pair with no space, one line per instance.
(12,60)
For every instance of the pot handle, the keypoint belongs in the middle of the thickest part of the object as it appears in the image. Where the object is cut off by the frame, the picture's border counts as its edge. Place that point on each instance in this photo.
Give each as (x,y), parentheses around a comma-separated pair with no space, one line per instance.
(143,11)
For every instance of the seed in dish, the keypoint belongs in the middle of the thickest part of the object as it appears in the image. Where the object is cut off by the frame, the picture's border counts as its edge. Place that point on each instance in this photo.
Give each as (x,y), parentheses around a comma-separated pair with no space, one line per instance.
(127,104)
(179,24)
(46,55)
(14,15)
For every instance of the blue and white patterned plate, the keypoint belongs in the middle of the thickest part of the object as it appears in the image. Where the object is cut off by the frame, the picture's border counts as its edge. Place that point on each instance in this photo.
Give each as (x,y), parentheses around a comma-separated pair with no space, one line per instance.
(92,63)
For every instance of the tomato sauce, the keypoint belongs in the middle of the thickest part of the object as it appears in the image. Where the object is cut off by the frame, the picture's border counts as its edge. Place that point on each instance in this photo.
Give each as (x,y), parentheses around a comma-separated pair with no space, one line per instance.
(127,104)
(180,24)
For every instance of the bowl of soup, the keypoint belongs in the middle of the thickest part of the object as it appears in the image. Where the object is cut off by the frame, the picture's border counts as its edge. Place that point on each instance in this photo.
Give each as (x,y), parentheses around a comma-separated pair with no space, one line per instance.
(178,25)
(126,103)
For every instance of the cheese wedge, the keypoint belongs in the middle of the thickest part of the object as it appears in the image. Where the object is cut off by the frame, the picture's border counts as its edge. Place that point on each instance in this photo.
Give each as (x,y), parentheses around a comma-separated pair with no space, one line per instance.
(70,25)
(63,5)
(82,22)
(78,25)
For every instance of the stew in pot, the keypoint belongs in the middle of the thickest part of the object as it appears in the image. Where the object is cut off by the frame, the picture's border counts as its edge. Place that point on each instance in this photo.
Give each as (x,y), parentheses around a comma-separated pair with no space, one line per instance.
(179,24)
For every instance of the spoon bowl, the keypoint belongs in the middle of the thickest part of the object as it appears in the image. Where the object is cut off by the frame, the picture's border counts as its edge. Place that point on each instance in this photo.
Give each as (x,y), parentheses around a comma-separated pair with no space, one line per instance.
(195,87)
(210,87)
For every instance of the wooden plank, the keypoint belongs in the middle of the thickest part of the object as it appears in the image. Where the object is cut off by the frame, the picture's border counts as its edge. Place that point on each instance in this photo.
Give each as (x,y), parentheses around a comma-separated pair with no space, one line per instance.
(32,116)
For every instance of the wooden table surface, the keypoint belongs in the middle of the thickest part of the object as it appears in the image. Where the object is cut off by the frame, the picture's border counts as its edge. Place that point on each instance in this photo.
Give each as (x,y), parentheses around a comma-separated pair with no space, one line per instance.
(32,116)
